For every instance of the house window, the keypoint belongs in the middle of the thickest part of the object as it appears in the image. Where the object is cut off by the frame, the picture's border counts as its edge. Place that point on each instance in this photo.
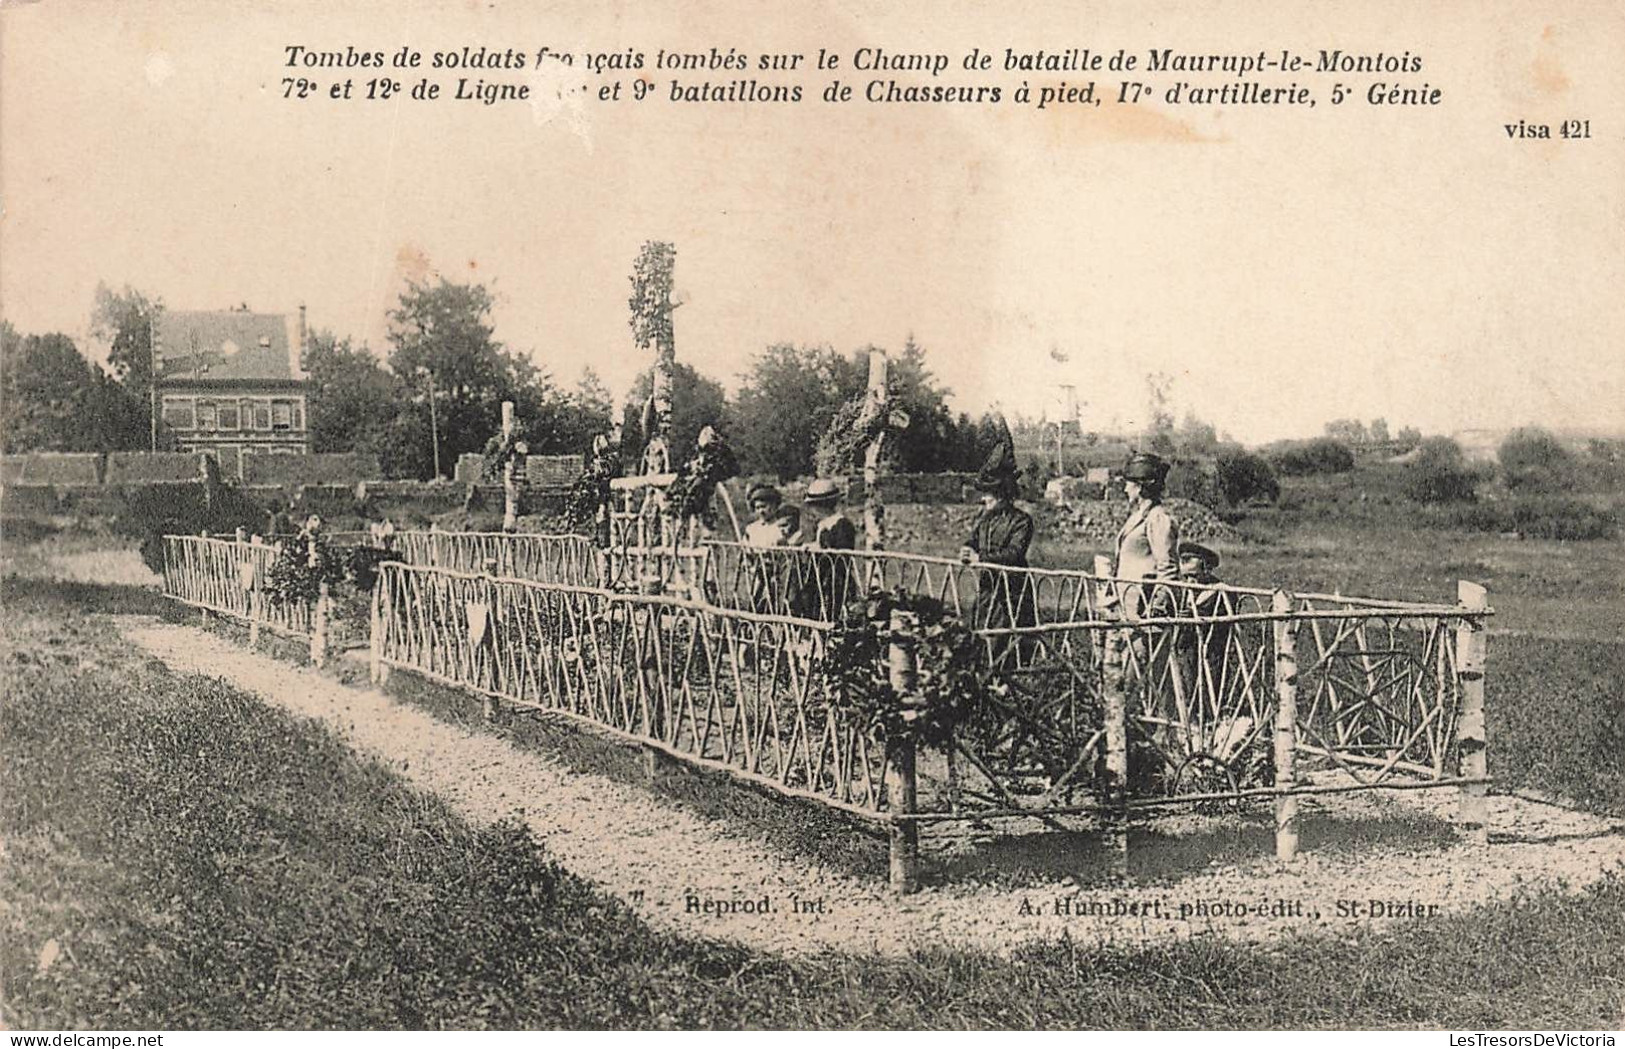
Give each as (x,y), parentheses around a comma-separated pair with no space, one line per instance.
(227,417)
(178,415)
(298,416)
(206,418)
(281,415)
(262,416)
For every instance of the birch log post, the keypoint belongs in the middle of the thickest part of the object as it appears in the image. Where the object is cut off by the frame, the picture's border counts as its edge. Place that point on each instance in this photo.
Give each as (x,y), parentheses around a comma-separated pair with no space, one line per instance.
(1471,743)
(318,627)
(256,592)
(1114,689)
(510,486)
(1286,729)
(902,790)
(874,510)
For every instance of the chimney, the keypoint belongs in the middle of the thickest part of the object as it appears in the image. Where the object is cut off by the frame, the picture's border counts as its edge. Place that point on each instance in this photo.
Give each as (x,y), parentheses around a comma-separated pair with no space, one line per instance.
(304,336)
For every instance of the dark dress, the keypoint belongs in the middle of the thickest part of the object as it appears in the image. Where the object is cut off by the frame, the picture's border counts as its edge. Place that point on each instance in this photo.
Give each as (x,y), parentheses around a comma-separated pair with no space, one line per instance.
(1001,536)
(822,592)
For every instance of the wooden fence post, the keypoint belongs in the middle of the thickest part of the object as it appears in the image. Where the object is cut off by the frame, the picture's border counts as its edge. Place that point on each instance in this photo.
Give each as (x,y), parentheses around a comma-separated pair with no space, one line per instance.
(1470,737)
(256,593)
(901,785)
(874,509)
(510,486)
(1113,651)
(1114,686)
(318,628)
(1286,729)
(378,671)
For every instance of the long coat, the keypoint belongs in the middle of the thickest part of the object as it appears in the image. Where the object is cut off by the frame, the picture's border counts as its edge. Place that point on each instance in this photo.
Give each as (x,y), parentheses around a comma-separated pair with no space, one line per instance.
(1147,549)
(1001,536)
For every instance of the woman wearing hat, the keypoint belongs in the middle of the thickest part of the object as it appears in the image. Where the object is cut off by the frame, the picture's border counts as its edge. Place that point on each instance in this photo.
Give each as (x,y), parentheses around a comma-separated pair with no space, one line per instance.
(1000,536)
(765,501)
(1148,543)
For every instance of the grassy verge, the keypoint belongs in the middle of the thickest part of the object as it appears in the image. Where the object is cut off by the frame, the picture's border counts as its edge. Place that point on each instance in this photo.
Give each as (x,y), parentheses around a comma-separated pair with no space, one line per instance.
(182,856)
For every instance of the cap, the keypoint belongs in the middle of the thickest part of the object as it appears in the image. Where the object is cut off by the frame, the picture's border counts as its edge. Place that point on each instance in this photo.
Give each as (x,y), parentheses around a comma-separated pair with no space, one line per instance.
(1207,555)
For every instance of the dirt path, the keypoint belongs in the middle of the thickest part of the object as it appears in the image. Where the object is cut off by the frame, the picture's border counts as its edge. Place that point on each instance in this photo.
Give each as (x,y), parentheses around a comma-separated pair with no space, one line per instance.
(677,870)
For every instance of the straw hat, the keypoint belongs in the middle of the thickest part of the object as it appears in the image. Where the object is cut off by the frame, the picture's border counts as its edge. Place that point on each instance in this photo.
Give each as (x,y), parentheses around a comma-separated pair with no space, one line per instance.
(823,492)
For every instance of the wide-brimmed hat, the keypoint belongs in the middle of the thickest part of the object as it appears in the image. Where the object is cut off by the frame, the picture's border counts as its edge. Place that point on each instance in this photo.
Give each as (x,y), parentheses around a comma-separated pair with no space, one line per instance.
(1206,554)
(763,493)
(1146,466)
(823,492)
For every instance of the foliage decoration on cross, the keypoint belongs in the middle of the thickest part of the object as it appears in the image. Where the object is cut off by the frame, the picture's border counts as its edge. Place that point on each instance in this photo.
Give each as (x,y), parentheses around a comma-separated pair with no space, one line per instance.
(854,427)
(712,463)
(948,684)
(650,302)
(502,449)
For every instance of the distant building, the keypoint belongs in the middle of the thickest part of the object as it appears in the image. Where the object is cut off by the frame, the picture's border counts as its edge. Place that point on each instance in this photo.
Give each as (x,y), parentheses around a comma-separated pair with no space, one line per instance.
(232,379)
(1479,445)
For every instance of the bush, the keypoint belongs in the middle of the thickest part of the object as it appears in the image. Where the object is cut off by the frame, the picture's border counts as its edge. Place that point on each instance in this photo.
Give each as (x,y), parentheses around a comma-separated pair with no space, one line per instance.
(1194,481)
(1319,456)
(1243,477)
(154,511)
(1541,517)
(1440,474)
(1533,460)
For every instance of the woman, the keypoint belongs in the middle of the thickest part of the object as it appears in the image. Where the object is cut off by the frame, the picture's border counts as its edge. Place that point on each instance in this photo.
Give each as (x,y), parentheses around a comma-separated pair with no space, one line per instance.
(1000,536)
(765,501)
(1148,543)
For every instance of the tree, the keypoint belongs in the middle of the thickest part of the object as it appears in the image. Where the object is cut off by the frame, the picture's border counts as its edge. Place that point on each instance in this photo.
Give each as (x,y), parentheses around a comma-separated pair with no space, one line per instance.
(1161,428)
(1195,437)
(124,320)
(1409,437)
(926,445)
(696,402)
(585,412)
(1322,455)
(442,337)
(46,387)
(1379,431)
(1243,477)
(785,403)
(1533,459)
(353,398)
(1440,474)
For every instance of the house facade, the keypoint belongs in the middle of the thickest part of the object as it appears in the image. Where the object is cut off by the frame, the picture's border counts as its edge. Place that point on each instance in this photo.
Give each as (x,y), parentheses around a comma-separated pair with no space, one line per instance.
(233,380)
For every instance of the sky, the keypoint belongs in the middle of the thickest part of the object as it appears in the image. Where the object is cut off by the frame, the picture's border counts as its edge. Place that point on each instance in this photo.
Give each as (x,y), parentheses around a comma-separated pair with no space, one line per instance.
(1283,267)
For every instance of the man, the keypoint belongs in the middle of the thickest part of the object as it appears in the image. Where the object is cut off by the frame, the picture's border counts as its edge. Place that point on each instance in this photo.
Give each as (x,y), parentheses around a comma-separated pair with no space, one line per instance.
(823,592)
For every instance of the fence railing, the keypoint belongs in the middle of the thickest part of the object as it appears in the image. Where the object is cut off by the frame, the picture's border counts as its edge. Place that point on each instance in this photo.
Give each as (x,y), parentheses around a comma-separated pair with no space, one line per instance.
(228,577)
(1094,696)
(568,559)
(725,689)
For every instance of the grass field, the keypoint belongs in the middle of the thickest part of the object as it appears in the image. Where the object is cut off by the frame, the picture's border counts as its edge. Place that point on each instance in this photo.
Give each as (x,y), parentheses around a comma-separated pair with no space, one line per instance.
(181,856)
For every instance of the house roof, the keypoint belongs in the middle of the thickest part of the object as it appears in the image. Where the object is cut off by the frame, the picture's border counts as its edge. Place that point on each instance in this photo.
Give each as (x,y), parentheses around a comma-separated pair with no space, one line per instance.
(220,345)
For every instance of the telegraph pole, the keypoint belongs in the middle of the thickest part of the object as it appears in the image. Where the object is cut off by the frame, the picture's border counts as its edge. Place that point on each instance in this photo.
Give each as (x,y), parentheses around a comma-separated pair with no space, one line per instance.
(434,425)
(152,386)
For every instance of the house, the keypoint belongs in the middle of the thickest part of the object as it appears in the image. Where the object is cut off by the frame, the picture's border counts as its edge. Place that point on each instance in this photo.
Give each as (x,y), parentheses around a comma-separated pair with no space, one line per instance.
(230,380)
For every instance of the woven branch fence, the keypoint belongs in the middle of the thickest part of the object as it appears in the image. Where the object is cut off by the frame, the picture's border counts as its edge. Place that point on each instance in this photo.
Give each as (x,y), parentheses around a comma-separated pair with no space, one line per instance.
(1096,697)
